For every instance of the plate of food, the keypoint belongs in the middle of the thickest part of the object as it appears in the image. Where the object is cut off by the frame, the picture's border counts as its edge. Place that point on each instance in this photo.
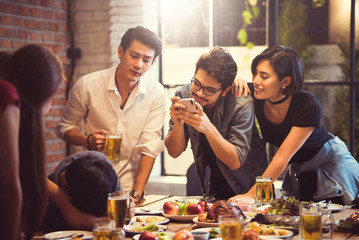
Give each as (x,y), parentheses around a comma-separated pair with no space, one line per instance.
(137,228)
(181,218)
(160,235)
(214,232)
(266,230)
(150,219)
(69,235)
(349,224)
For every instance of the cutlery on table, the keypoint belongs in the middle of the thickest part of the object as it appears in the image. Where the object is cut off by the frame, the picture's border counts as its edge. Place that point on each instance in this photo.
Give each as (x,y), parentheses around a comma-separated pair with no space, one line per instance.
(327,204)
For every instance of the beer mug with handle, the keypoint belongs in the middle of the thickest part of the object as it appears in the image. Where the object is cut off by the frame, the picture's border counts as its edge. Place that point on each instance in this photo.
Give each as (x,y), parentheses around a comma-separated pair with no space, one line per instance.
(113,146)
(310,224)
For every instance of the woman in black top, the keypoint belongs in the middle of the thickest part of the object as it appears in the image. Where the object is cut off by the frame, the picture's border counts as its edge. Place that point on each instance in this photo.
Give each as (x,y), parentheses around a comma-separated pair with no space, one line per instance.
(290,118)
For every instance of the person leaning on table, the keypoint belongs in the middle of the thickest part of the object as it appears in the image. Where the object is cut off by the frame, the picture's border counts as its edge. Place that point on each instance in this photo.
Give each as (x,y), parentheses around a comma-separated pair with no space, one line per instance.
(222,134)
(320,165)
(121,98)
(87,178)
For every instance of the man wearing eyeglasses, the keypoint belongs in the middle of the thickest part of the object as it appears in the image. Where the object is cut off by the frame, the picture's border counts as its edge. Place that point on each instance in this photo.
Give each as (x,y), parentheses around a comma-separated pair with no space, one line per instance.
(222,133)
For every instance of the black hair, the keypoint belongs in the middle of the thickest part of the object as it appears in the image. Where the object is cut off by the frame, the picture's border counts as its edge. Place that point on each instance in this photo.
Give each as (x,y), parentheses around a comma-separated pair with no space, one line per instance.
(220,64)
(36,73)
(89,181)
(286,62)
(143,35)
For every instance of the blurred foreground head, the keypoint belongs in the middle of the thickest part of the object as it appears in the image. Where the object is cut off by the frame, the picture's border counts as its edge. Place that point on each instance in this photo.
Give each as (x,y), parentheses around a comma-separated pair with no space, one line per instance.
(36,74)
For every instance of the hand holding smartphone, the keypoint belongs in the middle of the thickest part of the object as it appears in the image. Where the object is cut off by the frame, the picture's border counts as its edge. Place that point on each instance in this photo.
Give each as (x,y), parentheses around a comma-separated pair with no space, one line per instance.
(189,103)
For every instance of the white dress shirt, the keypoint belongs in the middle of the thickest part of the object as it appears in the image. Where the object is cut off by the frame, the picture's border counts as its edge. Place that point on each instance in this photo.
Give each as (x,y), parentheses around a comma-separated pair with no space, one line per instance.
(95,99)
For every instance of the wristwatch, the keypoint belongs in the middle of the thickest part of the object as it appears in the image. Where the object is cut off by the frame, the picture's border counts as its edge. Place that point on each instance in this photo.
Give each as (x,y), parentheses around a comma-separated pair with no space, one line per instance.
(134,194)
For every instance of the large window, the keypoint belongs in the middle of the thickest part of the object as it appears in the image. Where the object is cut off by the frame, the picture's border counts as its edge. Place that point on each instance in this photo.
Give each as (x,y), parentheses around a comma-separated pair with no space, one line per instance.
(190,28)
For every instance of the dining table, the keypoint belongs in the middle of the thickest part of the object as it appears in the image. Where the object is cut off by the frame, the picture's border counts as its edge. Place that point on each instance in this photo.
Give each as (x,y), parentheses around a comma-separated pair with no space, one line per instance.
(153,204)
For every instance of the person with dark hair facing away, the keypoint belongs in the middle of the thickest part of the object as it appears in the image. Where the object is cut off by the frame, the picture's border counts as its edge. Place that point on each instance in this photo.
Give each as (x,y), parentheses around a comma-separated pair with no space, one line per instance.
(10,187)
(222,133)
(36,74)
(87,178)
(121,98)
(320,165)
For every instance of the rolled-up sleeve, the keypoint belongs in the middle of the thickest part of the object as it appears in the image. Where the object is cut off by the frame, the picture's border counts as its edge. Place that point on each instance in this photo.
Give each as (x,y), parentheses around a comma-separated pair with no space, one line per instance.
(75,110)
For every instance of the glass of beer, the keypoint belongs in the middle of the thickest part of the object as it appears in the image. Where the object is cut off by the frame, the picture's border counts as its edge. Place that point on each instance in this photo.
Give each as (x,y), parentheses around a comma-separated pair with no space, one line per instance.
(310,223)
(113,147)
(264,190)
(103,229)
(118,207)
(230,227)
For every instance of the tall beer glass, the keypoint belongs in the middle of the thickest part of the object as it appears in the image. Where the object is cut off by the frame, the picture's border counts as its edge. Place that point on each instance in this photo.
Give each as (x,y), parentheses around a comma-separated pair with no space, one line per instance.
(230,227)
(103,229)
(264,190)
(310,224)
(118,207)
(113,147)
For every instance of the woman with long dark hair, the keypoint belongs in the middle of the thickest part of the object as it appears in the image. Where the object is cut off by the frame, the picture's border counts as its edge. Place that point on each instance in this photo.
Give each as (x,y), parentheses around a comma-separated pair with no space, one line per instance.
(36,74)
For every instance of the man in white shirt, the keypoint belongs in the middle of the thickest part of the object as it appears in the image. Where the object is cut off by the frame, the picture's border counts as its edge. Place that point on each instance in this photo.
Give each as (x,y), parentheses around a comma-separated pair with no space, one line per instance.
(121,99)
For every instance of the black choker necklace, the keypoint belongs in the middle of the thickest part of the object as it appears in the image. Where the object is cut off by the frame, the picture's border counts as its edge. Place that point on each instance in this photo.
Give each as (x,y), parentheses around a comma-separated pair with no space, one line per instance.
(280,101)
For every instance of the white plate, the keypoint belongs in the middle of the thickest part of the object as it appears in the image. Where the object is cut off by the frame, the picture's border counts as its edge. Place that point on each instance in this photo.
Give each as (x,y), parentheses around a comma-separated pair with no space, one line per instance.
(59,234)
(144,211)
(182,218)
(290,233)
(262,209)
(262,237)
(333,207)
(213,224)
(162,220)
(137,236)
(130,232)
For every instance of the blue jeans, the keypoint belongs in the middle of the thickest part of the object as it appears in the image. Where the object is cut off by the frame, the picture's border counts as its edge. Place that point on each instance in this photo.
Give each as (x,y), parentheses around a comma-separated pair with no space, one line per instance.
(337,173)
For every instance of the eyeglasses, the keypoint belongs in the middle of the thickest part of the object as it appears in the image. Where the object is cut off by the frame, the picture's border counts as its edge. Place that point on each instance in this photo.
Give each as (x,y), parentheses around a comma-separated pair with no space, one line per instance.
(209,91)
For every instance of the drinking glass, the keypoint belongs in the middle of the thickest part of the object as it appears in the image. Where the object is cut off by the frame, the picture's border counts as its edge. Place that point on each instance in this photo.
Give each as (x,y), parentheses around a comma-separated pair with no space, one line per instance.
(118,234)
(103,228)
(264,190)
(230,227)
(327,224)
(113,146)
(119,207)
(310,224)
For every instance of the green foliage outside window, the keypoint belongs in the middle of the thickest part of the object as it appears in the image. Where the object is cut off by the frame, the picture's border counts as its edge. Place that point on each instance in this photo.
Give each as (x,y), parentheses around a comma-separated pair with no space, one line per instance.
(341,107)
(291,29)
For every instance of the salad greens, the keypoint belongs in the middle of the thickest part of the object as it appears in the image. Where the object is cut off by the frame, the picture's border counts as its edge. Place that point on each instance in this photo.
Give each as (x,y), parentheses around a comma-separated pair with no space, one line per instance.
(140,227)
(214,233)
(280,206)
(350,223)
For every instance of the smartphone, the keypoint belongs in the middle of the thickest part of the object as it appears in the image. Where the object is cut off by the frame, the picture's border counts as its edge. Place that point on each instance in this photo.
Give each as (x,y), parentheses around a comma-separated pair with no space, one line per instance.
(189,103)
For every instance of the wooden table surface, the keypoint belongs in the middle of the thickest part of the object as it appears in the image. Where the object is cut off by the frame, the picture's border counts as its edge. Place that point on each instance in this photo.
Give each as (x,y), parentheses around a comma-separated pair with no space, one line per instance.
(156,202)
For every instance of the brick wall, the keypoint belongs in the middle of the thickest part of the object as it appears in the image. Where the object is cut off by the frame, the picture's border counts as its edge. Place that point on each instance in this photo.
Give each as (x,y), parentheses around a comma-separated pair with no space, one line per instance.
(97,27)
(43,22)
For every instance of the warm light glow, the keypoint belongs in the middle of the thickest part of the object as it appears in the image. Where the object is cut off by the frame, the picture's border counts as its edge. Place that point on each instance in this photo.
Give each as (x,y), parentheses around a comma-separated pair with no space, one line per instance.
(339,20)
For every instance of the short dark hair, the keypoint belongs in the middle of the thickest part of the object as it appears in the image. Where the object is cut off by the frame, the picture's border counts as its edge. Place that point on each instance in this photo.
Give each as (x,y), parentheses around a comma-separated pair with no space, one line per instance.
(143,35)
(90,179)
(220,64)
(286,62)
